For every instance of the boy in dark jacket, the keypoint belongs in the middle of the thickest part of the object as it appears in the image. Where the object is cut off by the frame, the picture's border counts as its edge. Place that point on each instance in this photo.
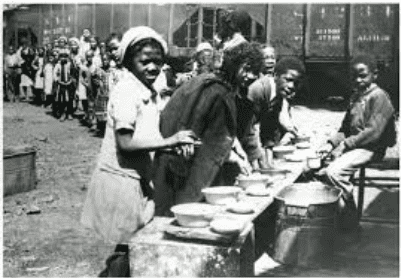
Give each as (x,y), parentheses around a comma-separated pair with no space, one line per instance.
(367,130)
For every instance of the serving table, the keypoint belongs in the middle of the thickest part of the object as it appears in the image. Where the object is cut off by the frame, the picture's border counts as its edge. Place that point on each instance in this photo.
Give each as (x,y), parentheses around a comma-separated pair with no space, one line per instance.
(163,248)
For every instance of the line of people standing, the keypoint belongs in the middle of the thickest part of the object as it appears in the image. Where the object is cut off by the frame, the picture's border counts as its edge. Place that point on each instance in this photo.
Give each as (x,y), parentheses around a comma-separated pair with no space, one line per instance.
(71,76)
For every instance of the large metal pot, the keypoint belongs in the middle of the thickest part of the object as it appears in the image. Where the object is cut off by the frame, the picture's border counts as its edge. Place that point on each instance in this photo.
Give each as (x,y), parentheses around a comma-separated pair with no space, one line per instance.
(306,224)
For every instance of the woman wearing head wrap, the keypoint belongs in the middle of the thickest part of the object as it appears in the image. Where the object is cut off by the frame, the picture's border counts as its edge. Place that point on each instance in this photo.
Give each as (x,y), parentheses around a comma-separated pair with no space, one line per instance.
(119,200)
(203,63)
(206,105)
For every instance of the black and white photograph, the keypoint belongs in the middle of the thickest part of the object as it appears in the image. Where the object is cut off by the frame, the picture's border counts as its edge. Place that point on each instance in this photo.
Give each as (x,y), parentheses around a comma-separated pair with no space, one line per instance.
(200,139)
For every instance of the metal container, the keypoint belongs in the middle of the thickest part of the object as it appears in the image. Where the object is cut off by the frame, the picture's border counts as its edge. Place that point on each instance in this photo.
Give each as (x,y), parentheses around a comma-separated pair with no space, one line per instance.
(306,224)
(314,161)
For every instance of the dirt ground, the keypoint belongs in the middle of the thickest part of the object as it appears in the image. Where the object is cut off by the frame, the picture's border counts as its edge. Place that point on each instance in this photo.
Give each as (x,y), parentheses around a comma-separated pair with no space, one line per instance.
(53,243)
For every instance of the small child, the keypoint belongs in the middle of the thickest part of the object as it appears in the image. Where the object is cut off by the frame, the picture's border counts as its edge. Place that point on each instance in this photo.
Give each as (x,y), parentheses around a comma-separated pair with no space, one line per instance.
(48,80)
(27,72)
(64,93)
(85,84)
(38,65)
(103,82)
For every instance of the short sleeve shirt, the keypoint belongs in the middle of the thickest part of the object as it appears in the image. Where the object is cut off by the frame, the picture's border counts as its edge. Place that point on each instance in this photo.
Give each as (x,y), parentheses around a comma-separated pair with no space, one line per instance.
(132,107)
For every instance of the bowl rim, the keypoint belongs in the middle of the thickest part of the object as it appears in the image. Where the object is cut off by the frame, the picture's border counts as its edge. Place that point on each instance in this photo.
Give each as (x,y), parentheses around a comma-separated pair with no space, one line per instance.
(286,148)
(213,189)
(263,177)
(206,206)
(273,170)
(294,157)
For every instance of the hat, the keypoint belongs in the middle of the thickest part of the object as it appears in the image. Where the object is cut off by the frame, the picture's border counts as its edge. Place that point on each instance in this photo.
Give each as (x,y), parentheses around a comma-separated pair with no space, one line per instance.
(73,40)
(136,34)
(64,38)
(204,46)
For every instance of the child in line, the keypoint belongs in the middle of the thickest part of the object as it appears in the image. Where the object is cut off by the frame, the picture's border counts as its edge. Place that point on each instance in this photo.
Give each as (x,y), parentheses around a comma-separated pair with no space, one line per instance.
(27,72)
(48,80)
(64,94)
(103,83)
(85,85)
(38,65)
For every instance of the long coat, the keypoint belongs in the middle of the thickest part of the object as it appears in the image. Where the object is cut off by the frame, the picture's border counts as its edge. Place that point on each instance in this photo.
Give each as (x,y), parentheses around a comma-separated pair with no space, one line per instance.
(206,105)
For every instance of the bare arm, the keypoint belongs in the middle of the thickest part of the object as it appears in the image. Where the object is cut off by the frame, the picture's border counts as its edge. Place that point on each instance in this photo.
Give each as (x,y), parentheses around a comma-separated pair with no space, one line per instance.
(127,141)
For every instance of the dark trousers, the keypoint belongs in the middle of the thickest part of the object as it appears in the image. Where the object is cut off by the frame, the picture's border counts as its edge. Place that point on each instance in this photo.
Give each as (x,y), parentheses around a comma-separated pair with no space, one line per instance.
(11,85)
(38,95)
(65,101)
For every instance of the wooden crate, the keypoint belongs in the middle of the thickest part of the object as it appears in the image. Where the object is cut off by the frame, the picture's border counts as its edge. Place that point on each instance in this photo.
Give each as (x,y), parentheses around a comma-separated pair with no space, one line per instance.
(19,169)
(154,253)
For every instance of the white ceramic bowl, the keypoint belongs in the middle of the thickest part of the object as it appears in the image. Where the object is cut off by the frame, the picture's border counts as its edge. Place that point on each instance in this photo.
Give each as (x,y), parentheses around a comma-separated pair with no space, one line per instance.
(221,195)
(227,226)
(274,172)
(295,157)
(280,151)
(254,180)
(301,138)
(194,215)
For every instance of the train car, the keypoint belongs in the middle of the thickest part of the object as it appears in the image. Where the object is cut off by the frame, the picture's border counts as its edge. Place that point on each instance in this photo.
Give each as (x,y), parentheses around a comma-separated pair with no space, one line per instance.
(325,36)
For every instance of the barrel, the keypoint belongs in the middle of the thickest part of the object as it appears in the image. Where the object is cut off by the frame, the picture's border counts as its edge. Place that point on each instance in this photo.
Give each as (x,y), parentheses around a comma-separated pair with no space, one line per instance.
(306,225)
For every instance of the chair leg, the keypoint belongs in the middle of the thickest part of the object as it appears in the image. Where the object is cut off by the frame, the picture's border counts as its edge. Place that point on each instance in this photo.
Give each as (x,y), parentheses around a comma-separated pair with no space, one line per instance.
(361,192)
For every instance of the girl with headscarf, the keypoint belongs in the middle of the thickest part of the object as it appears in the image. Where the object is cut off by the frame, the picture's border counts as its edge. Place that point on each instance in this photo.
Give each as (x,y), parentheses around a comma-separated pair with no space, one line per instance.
(120,197)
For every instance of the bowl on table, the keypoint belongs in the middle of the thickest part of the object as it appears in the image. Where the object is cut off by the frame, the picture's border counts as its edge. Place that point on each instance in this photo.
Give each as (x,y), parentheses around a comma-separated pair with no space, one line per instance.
(274,173)
(295,157)
(254,180)
(221,195)
(281,151)
(194,215)
(227,226)
(300,139)
(303,145)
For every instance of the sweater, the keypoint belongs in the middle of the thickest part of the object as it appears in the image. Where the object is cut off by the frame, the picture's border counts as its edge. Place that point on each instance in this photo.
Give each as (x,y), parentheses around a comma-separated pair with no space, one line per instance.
(368,123)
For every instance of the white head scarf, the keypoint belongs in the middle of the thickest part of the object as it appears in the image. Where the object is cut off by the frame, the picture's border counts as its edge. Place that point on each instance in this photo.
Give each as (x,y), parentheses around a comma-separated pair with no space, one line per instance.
(204,46)
(134,35)
(73,39)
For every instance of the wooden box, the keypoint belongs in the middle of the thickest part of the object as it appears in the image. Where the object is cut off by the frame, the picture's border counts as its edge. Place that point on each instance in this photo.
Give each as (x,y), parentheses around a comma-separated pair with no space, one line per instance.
(19,169)
(153,253)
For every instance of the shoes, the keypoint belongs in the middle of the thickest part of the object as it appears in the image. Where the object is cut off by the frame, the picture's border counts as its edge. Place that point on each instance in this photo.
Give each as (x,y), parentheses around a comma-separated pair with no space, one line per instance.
(348,217)
(117,265)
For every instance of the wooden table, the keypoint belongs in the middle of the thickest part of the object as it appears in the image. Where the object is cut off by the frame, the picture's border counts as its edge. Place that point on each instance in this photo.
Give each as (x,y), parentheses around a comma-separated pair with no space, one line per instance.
(200,251)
